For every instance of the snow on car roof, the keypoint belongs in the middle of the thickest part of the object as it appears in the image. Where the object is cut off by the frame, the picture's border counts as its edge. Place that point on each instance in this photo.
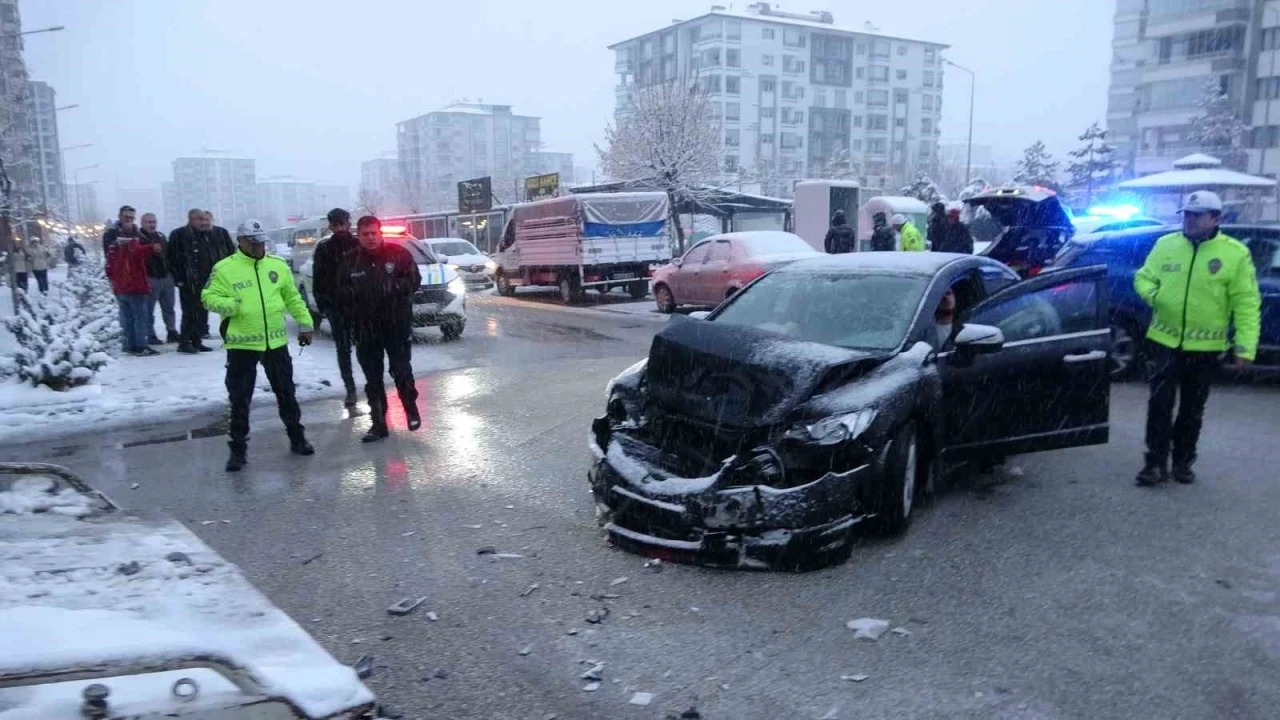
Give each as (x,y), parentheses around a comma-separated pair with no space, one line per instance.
(915,263)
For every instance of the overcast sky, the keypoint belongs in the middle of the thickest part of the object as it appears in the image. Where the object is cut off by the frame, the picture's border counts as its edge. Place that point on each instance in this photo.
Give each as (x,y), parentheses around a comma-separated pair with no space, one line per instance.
(310,88)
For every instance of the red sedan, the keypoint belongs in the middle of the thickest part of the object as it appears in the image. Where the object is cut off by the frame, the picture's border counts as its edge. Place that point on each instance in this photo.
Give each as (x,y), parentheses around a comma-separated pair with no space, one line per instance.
(719,266)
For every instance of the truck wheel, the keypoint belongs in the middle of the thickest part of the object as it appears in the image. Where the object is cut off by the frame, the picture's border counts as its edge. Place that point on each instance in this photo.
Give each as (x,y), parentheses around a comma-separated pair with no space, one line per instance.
(570,289)
(505,288)
(452,330)
(897,497)
(666,301)
(638,289)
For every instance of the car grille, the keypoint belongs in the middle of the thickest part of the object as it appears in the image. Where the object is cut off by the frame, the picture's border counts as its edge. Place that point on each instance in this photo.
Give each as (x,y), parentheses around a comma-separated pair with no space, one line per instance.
(701,449)
(472,268)
(435,295)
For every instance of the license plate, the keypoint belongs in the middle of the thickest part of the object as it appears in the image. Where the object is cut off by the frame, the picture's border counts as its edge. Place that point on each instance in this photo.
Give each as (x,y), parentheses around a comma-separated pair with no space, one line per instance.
(624,276)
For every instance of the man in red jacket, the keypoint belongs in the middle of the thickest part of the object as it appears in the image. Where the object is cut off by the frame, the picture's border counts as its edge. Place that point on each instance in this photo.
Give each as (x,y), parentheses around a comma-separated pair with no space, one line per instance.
(127,270)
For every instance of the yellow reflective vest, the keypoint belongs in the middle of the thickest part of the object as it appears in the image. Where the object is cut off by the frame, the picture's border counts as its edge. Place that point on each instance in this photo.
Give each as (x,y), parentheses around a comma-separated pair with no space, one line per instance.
(911,240)
(1198,291)
(252,296)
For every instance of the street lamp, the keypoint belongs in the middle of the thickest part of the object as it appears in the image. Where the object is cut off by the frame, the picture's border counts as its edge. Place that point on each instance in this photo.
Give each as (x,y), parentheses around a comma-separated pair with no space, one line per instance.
(54,28)
(65,107)
(75,182)
(968,162)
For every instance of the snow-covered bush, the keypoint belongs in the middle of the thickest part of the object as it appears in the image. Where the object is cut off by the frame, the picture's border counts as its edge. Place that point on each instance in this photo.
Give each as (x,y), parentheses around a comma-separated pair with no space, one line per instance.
(98,310)
(65,337)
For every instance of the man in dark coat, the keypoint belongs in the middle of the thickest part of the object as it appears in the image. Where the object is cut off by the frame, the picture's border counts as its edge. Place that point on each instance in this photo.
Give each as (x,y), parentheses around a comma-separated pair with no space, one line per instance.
(957,239)
(192,253)
(840,238)
(380,280)
(330,260)
(936,231)
(882,237)
(161,282)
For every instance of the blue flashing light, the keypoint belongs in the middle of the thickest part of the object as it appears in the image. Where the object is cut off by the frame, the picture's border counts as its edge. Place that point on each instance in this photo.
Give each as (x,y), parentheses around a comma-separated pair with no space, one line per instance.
(1119,212)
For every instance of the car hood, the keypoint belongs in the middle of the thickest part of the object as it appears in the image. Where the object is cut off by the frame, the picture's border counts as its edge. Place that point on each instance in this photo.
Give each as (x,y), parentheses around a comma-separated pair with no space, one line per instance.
(436,274)
(469,259)
(739,377)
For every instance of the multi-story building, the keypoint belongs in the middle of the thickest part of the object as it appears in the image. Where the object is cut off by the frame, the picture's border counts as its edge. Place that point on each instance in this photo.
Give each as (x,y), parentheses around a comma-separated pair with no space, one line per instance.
(331,196)
(464,141)
(798,96)
(148,200)
(225,186)
(1165,54)
(175,214)
(83,199)
(285,201)
(542,162)
(46,158)
(17,145)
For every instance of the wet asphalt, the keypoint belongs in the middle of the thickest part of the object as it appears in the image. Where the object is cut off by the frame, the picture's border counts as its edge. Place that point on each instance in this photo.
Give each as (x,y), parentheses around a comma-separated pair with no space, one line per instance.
(1051,588)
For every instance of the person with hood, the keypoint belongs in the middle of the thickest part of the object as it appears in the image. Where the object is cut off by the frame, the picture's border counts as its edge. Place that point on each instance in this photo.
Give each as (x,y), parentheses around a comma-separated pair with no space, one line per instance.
(910,236)
(957,239)
(882,238)
(193,251)
(936,229)
(127,258)
(379,281)
(161,283)
(840,238)
(329,261)
(1203,291)
(72,251)
(21,265)
(252,291)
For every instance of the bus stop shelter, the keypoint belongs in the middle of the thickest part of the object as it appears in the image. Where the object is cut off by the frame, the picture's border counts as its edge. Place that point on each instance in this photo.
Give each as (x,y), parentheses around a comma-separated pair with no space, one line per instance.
(1165,191)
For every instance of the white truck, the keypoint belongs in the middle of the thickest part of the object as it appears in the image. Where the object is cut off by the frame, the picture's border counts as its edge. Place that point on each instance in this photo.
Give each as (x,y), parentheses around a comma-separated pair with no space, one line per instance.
(110,614)
(591,240)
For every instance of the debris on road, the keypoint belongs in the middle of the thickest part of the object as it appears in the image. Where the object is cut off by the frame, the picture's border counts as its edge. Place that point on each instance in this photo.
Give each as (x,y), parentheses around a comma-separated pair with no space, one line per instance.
(855,678)
(508,556)
(487,550)
(641,698)
(524,651)
(901,631)
(406,606)
(591,686)
(605,596)
(655,565)
(473,527)
(363,667)
(868,628)
(572,631)
(208,522)
(595,673)
(432,616)
(135,486)
(511,507)
(441,674)
(313,558)
(617,581)
(529,591)
(408,534)
(595,617)
(130,568)
(832,714)
(690,714)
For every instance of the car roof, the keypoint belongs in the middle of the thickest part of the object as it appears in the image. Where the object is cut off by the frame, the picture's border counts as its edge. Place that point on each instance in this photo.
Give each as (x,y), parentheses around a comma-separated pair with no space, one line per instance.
(749,234)
(922,264)
(1146,230)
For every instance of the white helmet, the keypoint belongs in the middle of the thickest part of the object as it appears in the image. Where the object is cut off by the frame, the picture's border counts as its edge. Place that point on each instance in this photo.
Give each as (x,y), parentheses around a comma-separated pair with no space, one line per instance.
(253,230)
(898,219)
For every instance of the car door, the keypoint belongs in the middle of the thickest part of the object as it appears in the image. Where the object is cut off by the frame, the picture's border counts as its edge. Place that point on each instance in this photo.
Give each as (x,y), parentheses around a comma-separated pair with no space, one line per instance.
(1264,247)
(1048,387)
(715,273)
(688,277)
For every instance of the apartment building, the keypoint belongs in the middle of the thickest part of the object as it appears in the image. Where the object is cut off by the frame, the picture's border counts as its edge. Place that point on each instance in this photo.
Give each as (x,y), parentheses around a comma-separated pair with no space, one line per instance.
(1165,53)
(226,186)
(799,96)
(46,156)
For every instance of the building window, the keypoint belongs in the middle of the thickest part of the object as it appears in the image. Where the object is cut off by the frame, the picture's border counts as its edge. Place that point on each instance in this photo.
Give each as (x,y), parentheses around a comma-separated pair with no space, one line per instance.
(1268,88)
(768,85)
(733,57)
(858,97)
(857,121)
(733,29)
(928,78)
(930,56)
(860,73)
(819,97)
(766,60)
(901,74)
(733,85)
(878,98)
(1271,39)
(926,148)
(926,126)
(766,113)
(1266,137)
(900,96)
(766,139)
(880,48)
(731,163)
(646,50)
(902,51)
(668,43)
(767,34)
(879,73)
(878,123)
(711,57)
(732,111)
(842,99)
(900,122)
(712,83)
(860,48)
(792,64)
(793,38)
(877,146)
(856,146)
(791,141)
(926,102)
(732,138)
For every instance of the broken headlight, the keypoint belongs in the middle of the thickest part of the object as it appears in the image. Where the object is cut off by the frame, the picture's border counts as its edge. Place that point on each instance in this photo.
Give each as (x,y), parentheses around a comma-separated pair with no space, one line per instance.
(835,429)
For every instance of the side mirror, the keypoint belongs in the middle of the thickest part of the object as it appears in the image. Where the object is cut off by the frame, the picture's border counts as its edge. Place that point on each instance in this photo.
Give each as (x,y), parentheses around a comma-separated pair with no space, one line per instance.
(677,262)
(700,315)
(976,339)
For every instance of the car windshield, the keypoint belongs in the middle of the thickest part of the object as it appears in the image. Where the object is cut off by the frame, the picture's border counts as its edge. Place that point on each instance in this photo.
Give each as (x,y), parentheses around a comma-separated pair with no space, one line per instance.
(869,312)
(420,250)
(454,247)
(773,243)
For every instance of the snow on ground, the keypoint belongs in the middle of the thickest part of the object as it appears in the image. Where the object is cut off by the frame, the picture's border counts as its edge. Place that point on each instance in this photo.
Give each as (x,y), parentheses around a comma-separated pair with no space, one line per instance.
(134,390)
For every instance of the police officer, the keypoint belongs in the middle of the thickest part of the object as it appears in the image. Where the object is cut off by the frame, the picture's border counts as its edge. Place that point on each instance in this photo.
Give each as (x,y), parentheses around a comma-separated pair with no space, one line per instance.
(910,236)
(381,278)
(252,290)
(1198,283)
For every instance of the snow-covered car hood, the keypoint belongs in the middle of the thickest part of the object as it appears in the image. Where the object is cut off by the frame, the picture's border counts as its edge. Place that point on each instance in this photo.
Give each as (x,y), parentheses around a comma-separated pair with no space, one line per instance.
(737,376)
(468,260)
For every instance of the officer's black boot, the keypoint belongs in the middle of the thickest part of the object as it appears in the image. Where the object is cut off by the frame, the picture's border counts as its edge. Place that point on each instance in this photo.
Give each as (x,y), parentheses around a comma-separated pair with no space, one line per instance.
(1152,473)
(411,414)
(378,414)
(298,444)
(237,459)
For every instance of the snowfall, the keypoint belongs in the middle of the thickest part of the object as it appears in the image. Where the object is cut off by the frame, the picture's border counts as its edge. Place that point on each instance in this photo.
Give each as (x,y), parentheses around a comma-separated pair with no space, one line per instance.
(134,391)
(85,586)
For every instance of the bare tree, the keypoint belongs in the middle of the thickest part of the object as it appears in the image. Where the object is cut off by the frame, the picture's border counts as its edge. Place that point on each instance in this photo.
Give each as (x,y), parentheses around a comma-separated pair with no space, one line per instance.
(666,139)
(370,201)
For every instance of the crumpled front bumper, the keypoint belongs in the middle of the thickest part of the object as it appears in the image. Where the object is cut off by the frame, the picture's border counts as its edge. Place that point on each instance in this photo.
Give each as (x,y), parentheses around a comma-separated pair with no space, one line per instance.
(716,522)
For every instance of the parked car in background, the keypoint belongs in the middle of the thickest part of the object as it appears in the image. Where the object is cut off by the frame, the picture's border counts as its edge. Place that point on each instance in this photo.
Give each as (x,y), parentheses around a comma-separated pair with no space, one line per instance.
(473,267)
(1087,224)
(721,265)
(1035,226)
(1124,251)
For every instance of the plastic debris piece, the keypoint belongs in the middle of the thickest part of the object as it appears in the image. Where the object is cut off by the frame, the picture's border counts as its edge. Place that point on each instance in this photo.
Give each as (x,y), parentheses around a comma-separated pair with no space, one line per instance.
(432,616)
(617,581)
(409,534)
(901,631)
(313,558)
(135,486)
(363,667)
(473,527)
(868,628)
(524,651)
(854,678)
(406,606)
(529,591)
(572,631)
(591,686)
(641,698)
(595,673)
(508,556)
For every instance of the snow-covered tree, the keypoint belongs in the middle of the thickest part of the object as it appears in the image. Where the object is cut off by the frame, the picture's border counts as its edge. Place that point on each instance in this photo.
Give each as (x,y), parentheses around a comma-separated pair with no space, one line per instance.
(665,139)
(57,346)
(1218,130)
(924,190)
(1037,167)
(1093,164)
(97,308)
(839,165)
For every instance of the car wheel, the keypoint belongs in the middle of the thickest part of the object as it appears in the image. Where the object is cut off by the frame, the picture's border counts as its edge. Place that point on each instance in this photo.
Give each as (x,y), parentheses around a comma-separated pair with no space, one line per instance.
(638,289)
(901,482)
(1126,353)
(666,301)
(453,330)
(505,288)
(570,289)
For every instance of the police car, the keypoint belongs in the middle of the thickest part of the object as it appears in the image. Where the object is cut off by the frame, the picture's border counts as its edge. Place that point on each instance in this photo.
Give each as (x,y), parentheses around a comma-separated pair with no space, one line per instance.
(441,301)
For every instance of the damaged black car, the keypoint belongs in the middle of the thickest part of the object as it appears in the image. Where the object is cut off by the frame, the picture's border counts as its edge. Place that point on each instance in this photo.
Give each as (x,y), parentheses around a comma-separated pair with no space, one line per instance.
(835,392)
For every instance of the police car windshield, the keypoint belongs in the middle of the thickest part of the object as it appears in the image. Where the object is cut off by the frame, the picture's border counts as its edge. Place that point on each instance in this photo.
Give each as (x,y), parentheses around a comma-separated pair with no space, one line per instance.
(420,250)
